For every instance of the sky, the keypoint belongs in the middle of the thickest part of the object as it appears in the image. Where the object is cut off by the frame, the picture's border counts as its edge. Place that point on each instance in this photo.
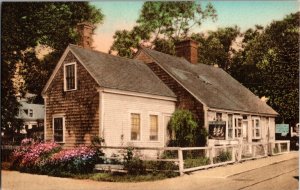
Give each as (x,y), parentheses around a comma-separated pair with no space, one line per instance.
(121,15)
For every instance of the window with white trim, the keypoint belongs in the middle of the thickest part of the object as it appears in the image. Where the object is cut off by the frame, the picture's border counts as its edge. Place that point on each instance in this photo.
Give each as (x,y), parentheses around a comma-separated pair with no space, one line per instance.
(256,129)
(238,127)
(70,76)
(59,129)
(153,127)
(135,126)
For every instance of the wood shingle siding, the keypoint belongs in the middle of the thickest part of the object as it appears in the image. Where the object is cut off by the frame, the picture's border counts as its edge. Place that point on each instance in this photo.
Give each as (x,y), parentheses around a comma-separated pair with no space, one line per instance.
(184,99)
(80,107)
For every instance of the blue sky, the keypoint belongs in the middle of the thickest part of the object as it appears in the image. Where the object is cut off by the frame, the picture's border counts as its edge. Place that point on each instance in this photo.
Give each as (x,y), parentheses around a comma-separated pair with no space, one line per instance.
(245,14)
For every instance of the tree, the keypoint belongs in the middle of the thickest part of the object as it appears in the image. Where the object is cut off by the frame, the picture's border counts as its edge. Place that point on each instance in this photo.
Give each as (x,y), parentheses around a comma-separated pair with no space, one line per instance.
(272,54)
(216,47)
(26,25)
(160,24)
(184,130)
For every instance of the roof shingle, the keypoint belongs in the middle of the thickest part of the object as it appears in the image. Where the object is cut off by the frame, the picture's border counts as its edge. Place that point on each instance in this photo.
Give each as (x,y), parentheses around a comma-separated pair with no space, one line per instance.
(120,73)
(212,86)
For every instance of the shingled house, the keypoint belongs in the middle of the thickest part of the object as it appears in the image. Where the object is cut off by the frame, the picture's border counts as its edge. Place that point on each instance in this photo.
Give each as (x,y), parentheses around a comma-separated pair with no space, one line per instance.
(229,111)
(131,100)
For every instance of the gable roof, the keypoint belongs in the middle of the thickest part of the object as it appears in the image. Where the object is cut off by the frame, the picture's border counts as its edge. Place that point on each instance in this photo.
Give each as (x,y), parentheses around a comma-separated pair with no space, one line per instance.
(116,72)
(210,85)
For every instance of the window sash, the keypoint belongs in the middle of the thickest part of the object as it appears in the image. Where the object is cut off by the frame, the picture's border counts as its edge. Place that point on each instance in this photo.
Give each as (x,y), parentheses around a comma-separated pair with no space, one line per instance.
(238,127)
(256,128)
(153,127)
(70,76)
(135,126)
(58,129)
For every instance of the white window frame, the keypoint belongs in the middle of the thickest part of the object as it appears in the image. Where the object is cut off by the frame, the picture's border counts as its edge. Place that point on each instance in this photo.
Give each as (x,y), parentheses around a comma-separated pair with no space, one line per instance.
(64,127)
(234,126)
(130,121)
(158,125)
(253,119)
(65,75)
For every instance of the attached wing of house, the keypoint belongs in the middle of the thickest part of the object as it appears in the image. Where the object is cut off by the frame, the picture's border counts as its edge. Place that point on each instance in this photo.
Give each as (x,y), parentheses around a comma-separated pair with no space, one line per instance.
(210,85)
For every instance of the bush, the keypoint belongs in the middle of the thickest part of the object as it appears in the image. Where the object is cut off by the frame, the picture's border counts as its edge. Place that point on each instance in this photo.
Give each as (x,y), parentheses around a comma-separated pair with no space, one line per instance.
(48,158)
(79,160)
(223,157)
(30,156)
(133,164)
(195,162)
(186,130)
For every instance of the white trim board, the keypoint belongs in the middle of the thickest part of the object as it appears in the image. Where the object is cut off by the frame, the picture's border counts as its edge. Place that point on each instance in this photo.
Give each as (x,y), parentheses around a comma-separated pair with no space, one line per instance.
(137,94)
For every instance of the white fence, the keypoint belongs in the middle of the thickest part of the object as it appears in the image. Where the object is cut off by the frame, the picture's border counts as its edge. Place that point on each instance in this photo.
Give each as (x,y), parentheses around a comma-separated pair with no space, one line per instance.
(279,147)
(189,159)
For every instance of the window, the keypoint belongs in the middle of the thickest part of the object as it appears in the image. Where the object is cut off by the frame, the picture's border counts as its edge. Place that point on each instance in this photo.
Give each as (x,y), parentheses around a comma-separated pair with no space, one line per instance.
(256,129)
(70,77)
(30,113)
(135,126)
(230,127)
(58,129)
(238,127)
(153,127)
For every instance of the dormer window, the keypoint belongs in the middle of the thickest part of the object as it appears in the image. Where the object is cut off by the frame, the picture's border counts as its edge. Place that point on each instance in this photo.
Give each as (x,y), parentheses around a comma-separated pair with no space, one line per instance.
(30,113)
(70,77)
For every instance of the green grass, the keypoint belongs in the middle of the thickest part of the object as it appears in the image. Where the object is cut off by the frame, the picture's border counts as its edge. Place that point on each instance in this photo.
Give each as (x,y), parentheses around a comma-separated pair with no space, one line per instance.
(119,177)
(195,162)
(128,178)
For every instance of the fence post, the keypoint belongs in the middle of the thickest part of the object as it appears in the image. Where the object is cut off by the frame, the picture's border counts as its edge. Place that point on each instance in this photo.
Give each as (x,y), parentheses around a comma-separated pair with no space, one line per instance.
(272,149)
(233,153)
(240,150)
(254,151)
(279,147)
(180,157)
(210,150)
(266,149)
(288,146)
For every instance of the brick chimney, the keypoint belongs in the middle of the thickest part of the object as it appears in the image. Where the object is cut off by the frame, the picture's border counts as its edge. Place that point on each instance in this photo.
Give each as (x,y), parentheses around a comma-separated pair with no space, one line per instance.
(85,31)
(188,49)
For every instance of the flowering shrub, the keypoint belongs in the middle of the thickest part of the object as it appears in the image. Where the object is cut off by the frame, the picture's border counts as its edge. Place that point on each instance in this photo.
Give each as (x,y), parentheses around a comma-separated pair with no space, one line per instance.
(37,153)
(28,156)
(18,154)
(48,158)
(78,160)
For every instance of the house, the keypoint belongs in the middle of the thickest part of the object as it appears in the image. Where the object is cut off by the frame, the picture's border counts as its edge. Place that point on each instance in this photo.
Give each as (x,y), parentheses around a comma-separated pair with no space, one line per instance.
(96,94)
(130,101)
(32,116)
(228,110)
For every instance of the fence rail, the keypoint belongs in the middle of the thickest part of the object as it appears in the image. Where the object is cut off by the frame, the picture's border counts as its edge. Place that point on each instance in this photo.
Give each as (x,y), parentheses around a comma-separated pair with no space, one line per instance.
(279,147)
(189,159)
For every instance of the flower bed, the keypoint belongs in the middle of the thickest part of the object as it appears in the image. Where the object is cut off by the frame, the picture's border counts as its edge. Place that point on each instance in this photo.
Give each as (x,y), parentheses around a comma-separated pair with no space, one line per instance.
(49,158)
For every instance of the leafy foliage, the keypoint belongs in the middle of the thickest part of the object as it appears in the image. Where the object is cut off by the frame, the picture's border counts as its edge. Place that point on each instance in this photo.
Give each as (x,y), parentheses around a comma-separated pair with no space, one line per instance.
(222,157)
(216,47)
(196,162)
(25,26)
(160,24)
(268,65)
(186,130)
